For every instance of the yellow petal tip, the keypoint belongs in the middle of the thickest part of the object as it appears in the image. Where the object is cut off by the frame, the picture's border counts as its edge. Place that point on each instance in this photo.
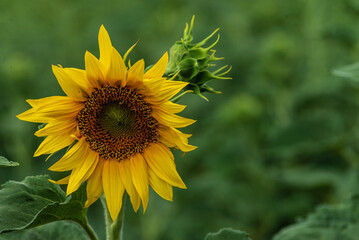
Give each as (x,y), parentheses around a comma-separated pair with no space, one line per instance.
(103,32)
(54,67)
(182,186)
(50,180)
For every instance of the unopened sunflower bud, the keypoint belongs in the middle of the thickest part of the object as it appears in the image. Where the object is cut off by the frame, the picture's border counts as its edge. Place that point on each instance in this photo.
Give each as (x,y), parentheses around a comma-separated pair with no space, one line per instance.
(191,62)
(189,68)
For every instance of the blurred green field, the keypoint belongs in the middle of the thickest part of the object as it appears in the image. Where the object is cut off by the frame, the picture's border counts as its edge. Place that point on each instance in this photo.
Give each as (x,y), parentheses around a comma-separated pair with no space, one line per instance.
(281,139)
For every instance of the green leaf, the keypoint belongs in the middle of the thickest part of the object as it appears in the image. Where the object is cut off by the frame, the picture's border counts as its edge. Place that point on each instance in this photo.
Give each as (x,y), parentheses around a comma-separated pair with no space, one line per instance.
(228,234)
(339,222)
(6,163)
(63,230)
(351,71)
(36,201)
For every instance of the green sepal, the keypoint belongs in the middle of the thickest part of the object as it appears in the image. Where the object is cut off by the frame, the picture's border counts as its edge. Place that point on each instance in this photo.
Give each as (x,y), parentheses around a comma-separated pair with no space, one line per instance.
(189,68)
(206,88)
(205,76)
(197,53)
(196,90)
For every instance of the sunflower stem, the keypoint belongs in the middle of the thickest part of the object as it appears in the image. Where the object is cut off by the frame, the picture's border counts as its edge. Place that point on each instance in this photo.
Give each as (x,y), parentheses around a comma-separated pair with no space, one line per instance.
(90,232)
(114,229)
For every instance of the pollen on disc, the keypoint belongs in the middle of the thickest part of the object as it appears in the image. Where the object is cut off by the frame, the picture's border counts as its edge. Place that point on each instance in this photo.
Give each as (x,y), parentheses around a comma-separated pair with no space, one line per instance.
(117,122)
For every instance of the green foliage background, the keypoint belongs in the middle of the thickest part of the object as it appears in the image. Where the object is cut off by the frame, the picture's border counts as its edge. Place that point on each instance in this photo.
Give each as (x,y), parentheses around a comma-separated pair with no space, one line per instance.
(281,139)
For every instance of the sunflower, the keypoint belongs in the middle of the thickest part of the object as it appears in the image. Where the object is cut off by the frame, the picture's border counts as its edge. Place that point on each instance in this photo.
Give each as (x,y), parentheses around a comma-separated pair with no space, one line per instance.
(118,123)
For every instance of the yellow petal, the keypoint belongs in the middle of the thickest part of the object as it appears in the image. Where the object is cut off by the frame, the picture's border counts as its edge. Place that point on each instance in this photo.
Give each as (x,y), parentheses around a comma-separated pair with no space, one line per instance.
(95,70)
(94,187)
(31,116)
(158,69)
(160,159)
(62,181)
(105,46)
(36,103)
(153,85)
(135,74)
(176,137)
(117,71)
(161,187)
(69,85)
(80,77)
(57,127)
(171,107)
(139,174)
(53,144)
(83,171)
(167,143)
(56,107)
(169,119)
(72,158)
(46,101)
(170,89)
(128,184)
(112,187)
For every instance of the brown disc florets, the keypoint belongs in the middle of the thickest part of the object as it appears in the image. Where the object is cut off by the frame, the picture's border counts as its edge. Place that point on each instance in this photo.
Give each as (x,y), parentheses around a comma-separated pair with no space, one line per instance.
(117,122)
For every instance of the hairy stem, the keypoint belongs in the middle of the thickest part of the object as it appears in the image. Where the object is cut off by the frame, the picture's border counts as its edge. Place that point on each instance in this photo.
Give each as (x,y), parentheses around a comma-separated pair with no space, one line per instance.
(90,232)
(114,229)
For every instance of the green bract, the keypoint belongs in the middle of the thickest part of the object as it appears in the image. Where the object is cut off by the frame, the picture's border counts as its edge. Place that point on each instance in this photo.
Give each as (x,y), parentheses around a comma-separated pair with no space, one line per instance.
(191,63)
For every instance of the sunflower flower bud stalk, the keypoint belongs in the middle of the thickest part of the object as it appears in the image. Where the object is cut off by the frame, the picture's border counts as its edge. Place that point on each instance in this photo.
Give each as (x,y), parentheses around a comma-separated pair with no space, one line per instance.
(191,62)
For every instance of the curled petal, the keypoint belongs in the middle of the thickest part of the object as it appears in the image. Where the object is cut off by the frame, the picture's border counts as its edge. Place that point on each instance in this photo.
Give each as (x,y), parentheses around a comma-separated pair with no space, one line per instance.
(160,159)
(169,119)
(161,187)
(175,137)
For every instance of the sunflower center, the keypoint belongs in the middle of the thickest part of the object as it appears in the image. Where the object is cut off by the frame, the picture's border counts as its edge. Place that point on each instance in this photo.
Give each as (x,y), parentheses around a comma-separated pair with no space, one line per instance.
(117,122)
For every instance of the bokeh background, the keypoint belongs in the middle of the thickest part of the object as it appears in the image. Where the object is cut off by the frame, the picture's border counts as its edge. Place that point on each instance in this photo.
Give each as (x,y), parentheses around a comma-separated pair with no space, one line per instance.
(281,139)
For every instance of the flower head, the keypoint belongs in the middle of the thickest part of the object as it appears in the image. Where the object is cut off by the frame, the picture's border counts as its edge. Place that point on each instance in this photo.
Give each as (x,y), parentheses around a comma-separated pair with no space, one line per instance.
(118,125)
